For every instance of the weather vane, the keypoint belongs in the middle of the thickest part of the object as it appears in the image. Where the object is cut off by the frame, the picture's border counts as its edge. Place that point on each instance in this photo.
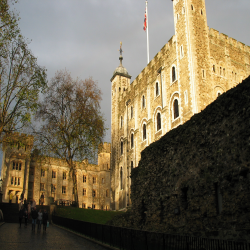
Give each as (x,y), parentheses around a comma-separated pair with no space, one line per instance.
(121,48)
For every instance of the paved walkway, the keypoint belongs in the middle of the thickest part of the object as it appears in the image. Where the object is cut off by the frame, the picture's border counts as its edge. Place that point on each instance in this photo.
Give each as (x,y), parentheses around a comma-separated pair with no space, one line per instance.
(12,237)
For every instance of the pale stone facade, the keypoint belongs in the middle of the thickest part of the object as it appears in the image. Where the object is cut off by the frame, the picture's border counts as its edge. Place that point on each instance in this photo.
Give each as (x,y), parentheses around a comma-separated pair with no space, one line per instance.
(50,177)
(188,73)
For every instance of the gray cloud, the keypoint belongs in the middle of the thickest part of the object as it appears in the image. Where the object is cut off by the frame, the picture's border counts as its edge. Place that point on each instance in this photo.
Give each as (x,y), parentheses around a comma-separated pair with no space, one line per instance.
(83,35)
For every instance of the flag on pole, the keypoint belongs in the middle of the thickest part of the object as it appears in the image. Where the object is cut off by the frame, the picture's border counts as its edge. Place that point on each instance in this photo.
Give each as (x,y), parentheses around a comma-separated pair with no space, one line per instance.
(145,20)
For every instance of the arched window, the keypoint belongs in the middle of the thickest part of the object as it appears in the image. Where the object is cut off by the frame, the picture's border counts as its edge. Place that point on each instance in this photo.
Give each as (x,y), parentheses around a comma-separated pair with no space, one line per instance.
(176,109)
(144,132)
(156,89)
(121,121)
(132,140)
(121,177)
(143,101)
(158,118)
(173,74)
(121,147)
(132,112)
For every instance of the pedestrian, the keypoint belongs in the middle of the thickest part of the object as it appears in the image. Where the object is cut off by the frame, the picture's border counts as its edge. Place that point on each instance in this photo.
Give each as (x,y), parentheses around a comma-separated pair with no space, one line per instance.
(29,211)
(25,217)
(45,219)
(34,216)
(20,216)
(20,205)
(25,204)
(39,219)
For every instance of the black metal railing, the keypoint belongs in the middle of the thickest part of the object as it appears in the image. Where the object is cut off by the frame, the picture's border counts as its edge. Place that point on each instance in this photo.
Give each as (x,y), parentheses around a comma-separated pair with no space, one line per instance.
(130,239)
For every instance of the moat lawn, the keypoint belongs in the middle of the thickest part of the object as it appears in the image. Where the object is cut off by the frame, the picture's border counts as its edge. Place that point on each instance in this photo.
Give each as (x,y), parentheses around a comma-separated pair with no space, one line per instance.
(89,215)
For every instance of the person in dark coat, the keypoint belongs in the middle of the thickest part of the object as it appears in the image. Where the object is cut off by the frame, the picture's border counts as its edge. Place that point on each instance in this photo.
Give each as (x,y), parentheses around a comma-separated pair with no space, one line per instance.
(45,219)
(34,216)
(25,217)
(21,213)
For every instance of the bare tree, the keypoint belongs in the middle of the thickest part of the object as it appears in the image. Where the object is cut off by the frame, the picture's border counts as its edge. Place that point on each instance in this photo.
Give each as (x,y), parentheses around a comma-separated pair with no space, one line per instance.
(72,125)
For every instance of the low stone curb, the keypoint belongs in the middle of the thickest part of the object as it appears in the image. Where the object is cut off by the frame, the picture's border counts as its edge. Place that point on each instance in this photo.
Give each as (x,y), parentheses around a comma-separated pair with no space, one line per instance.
(85,237)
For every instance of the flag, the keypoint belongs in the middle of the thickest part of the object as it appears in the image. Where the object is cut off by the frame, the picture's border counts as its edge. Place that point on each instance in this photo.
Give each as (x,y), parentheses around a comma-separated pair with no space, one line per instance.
(145,21)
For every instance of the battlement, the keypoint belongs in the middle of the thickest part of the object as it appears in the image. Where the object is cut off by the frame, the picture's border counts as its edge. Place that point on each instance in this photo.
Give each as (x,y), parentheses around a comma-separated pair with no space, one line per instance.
(229,40)
(104,148)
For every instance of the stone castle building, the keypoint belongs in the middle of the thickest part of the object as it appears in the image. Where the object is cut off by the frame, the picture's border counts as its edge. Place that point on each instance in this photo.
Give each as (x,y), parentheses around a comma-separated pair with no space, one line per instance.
(189,72)
(36,177)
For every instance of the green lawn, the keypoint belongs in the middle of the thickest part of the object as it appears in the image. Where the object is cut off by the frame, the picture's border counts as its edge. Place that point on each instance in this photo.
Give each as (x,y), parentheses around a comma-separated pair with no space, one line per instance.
(89,215)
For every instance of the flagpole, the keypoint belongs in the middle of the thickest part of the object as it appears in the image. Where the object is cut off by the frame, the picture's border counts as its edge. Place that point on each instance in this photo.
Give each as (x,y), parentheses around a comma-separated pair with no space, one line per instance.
(147,31)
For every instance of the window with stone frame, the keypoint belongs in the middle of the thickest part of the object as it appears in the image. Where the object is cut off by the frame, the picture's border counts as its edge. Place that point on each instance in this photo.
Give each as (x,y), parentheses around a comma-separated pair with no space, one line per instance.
(42,172)
(53,188)
(93,206)
(42,187)
(176,109)
(15,181)
(132,141)
(63,189)
(16,166)
(84,178)
(12,180)
(173,74)
(53,174)
(94,193)
(158,119)
(144,132)
(84,192)
(64,175)
(156,89)
(143,102)
(20,166)
(84,205)
(121,147)
(94,180)
(19,181)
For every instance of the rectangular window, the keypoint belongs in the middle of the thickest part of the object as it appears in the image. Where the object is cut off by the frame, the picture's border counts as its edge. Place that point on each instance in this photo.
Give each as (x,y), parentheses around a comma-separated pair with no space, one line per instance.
(53,188)
(64,175)
(12,180)
(93,206)
(19,182)
(53,174)
(15,181)
(94,193)
(14,165)
(20,166)
(84,205)
(84,178)
(94,180)
(42,187)
(42,173)
(63,190)
(84,192)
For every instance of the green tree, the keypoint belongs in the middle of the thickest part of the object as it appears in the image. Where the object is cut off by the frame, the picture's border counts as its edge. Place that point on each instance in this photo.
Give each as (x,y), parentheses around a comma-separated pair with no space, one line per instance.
(71,124)
(21,78)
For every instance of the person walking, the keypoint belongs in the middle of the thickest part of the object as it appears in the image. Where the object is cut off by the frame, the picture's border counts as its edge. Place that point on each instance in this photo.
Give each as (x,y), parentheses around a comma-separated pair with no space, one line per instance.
(20,205)
(25,203)
(34,216)
(45,219)
(25,217)
(20,216)
(29,210)
(39,219)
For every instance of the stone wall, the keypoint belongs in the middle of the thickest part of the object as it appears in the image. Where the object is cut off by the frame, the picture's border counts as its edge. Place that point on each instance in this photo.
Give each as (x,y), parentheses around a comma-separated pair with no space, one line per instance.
(196,179)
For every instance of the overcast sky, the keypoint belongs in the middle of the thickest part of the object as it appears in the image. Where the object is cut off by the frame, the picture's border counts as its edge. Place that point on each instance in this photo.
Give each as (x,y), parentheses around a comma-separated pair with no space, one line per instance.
(83,36)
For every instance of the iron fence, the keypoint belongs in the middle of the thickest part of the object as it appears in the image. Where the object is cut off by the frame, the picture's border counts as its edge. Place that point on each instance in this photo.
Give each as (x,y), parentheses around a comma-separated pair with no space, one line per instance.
(130,239)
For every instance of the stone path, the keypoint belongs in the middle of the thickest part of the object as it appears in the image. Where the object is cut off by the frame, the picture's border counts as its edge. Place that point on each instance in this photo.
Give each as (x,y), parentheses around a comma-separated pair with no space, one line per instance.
(12,237)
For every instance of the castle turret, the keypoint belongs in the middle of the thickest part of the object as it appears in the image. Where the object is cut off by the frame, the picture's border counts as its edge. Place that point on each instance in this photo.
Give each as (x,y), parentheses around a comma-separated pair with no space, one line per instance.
(120,82)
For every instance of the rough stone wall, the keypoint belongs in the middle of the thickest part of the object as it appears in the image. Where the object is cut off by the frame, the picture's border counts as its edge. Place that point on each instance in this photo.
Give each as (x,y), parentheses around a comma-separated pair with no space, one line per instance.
(196,179)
